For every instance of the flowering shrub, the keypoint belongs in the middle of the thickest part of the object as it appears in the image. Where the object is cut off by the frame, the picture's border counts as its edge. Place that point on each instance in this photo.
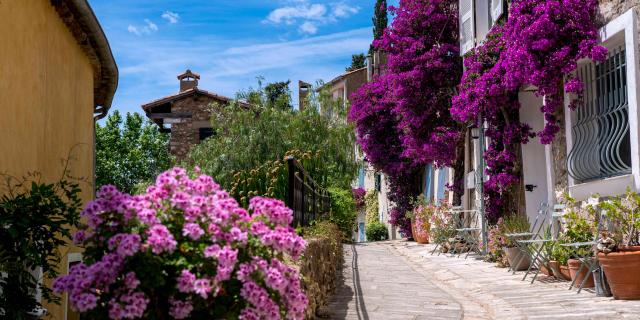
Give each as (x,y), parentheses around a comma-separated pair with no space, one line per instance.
(422,215)
(401,131)
(358,197)
(441,222)
(497,239)
(185,249)
(539,44)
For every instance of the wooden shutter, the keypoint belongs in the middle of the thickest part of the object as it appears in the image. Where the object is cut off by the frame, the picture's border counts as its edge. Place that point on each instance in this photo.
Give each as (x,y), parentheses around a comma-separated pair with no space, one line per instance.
(466,26)
(497,9)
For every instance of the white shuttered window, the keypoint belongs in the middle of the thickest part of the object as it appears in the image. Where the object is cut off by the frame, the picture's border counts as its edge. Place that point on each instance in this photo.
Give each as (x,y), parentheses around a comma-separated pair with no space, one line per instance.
(466,26)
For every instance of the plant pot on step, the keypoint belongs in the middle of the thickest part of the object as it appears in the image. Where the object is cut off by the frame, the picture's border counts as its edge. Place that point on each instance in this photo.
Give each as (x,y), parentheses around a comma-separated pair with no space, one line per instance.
(418,235)
(575,265)
(554,266)
(622,271)
(565,273)
(546,271)
(517,256)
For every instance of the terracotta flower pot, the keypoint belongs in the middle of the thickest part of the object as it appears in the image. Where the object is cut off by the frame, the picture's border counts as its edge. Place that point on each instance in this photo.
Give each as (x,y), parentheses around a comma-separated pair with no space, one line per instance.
(546,271)
(574,266)
(418,235)
(621,269)
(565,273)
(554,267)
(517,256)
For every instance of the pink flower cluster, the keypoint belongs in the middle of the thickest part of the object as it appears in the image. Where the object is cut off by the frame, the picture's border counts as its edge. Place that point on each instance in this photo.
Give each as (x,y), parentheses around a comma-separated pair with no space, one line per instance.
(194,224)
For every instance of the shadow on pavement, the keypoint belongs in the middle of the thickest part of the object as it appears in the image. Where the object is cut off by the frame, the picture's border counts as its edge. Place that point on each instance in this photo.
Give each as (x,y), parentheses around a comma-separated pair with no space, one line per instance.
(345,293)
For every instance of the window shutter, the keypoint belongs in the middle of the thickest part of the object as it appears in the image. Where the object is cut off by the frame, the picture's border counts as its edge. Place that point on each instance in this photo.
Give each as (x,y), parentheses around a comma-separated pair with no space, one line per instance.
(466,26)
(482,19)
(497,9)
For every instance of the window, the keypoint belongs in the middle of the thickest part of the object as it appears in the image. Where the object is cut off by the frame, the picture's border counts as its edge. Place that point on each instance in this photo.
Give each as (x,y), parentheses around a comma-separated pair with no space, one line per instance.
(361,177)
(428,183)
(600,129)
(378,182)
(205,133)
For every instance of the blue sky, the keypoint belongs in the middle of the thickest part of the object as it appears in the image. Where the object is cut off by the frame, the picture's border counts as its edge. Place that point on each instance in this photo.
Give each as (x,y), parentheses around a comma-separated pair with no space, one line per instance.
(229,42)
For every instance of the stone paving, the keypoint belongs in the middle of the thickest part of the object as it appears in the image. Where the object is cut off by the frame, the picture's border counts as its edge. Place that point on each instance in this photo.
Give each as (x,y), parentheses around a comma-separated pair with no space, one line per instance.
(401,280)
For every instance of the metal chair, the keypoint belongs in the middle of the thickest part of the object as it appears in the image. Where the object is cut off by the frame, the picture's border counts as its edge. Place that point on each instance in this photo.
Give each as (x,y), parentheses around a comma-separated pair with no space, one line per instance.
(467,228)
(535,229)
(535,247)
(449,228)
(585,257)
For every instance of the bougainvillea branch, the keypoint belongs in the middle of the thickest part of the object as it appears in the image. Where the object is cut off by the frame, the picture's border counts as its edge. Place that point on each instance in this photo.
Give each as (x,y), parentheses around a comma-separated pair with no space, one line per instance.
(539,45)
(402,118)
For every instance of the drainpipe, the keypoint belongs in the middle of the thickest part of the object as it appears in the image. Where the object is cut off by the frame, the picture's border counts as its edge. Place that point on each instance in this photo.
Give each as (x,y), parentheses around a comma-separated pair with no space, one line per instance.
(99,113)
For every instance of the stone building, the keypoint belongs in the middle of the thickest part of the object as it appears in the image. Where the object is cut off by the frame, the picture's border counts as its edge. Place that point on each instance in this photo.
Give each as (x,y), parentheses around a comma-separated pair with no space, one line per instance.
(58,77)
(186,115)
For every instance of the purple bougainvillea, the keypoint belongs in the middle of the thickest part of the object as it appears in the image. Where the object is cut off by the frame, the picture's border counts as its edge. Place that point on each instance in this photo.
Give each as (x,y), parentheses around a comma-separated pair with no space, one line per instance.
(402,118)
(539,45)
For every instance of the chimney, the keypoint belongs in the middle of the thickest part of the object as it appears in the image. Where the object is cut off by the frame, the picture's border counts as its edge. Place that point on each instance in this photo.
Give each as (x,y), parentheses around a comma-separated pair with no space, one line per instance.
(303,93)
(188,80)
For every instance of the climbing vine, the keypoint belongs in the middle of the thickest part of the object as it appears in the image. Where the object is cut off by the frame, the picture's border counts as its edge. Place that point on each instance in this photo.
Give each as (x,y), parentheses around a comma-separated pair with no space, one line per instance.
(538,46)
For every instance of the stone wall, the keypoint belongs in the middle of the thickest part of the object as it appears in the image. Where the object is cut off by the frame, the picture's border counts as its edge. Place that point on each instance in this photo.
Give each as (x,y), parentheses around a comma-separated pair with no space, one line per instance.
(610,9)
(186,133)
(320,267)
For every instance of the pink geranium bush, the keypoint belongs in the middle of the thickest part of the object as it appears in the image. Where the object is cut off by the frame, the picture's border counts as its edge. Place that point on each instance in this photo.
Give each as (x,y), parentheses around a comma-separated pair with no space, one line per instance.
(185,249)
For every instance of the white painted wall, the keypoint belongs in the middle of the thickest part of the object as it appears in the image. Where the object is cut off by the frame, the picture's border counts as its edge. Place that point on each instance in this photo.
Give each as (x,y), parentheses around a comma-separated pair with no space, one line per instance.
(534,154)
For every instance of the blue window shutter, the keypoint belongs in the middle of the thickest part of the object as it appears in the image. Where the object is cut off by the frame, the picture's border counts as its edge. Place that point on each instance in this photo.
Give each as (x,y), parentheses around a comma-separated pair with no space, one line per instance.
(441,184)
(361,178)
(427,182)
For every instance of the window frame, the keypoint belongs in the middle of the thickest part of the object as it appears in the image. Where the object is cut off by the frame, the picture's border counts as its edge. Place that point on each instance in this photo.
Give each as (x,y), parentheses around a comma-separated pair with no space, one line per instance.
(622,27)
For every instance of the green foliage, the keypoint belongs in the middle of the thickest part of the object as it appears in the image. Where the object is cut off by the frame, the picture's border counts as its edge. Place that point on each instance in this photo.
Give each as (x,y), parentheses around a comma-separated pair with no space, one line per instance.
(625,212)
(371,207)
(324,229)
(358,61)
(377,231)
(380,20)
(278,95)
(129,152)
(35,220)
(247,155)
(514,223)
(343,211)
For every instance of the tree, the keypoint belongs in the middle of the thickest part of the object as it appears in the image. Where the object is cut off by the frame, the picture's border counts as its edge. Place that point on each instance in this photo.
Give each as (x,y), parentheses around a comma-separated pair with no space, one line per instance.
(130,153)
(380,21)
(247,157)
(278,94)
(358,61)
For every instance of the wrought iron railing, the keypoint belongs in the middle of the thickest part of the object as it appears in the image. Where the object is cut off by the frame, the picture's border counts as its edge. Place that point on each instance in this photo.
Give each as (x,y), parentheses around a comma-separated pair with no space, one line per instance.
(601,145)
(305,197)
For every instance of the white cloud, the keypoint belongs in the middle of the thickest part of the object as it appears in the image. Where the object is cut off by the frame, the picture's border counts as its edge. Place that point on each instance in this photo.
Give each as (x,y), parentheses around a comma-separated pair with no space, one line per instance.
(342,10)
(152,26)
(170,16)
(228,65)
(308,27)
(304,11)
(148,28)
(309,16)
(134,30)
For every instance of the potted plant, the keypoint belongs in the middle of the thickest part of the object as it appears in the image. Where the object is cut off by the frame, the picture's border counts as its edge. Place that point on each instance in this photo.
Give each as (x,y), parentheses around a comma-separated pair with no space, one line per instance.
(579,228)
(496,241)
(420,220)
(517,257)
(621,265)
(441,227)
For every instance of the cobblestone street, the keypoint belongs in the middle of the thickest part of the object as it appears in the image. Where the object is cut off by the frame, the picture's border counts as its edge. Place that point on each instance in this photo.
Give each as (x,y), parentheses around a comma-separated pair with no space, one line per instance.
(401,280)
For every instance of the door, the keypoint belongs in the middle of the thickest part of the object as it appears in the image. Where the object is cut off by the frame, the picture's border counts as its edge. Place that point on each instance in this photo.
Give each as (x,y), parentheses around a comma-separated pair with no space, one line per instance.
(533,156)
(361,228)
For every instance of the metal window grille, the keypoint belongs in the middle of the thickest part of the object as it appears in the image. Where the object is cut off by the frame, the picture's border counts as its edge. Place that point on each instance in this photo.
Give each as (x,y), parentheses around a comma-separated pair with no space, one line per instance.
(601,141)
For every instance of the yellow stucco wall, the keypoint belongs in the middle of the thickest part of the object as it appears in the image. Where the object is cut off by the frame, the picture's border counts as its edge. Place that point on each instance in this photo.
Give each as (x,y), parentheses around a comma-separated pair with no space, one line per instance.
(46,99)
